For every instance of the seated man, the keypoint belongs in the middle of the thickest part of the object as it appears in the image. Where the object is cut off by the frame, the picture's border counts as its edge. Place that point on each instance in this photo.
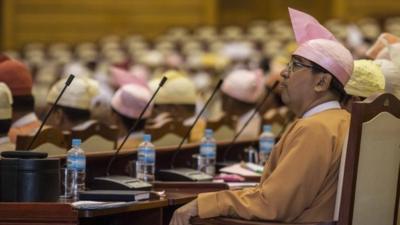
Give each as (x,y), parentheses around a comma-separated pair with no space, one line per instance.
(241,92)
(300,178)
(127,104)
(5,117)
(18,78)
(74,107)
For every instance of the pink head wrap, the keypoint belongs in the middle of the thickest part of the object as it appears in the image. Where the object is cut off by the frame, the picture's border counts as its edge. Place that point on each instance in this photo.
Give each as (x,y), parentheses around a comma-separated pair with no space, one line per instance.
(318,45)
(121,77)
(131,99)
(244,85)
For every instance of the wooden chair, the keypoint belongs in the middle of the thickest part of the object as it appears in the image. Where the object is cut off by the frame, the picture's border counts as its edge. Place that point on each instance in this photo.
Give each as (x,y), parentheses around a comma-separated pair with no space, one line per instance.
(278,118)
(370,169)
(50,140)
(224,128)
(96,136)
(371,174)
(231,221)
(166,133)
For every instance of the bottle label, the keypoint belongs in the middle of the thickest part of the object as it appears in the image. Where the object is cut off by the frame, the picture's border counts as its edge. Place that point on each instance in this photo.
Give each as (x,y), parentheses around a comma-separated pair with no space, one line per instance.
(76,162)
(208,150)
(266,146)
(147,155)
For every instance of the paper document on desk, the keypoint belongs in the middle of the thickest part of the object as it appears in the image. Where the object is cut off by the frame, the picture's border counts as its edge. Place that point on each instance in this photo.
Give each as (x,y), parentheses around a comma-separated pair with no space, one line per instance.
(114,195)
(99,205)
(241,185)
(238,169)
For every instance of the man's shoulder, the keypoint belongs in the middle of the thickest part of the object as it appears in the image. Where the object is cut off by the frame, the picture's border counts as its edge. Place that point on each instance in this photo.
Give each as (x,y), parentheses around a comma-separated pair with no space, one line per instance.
(327,119)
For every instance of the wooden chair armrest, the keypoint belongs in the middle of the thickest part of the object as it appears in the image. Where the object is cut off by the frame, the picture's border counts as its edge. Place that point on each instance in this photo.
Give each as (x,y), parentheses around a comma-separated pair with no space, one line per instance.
(232,221)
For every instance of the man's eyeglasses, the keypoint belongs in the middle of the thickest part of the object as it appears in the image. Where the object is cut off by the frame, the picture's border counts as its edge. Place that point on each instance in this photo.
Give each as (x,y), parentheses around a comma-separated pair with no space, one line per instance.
(293,65)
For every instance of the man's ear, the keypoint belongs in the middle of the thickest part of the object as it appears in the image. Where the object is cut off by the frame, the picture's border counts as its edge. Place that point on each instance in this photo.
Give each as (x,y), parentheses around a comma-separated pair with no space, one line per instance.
(323,82)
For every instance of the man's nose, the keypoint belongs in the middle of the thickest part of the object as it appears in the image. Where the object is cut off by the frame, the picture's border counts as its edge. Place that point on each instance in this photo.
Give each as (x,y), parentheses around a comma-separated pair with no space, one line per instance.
(285,73)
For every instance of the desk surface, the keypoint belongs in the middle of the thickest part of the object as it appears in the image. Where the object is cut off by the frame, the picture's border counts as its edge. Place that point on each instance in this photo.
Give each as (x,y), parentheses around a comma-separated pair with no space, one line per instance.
(146,212)
(149,212)
(124,209)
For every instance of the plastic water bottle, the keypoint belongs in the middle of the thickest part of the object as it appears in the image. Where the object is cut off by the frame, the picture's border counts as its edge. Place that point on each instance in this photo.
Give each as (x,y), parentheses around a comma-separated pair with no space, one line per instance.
(76,166)
(146,159)
(266,143)
(208,153)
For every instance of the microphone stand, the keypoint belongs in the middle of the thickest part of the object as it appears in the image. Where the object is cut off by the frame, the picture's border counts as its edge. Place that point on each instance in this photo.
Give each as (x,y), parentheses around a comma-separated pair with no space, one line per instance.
(67,83)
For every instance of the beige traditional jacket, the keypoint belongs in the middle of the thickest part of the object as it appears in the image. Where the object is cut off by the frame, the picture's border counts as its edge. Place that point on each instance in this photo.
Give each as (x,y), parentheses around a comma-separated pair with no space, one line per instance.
(300,179)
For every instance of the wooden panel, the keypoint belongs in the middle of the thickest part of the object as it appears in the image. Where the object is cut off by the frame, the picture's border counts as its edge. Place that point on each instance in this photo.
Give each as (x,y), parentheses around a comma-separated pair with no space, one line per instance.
(74,21)
(378,9)
(85,20)
(243,12)
(38,213)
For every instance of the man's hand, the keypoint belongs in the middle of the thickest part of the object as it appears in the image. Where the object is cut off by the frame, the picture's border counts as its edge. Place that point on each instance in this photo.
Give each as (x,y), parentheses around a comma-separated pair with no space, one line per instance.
(182,215)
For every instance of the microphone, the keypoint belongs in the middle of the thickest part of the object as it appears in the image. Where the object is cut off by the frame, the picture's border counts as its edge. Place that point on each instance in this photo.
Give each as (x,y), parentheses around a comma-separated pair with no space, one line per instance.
(186,174)
(258,107)
(125,182)
(162,82)
(67,83)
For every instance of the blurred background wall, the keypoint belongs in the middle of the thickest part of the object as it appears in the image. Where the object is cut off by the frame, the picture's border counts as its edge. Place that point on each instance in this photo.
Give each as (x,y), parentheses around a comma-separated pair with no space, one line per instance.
(73,21)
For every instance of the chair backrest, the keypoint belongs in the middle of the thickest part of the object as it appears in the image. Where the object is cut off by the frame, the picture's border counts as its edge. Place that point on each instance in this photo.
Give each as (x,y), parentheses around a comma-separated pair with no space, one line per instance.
(167,133)
(224,128)
(371,178)
(279,119)
(50,140)
(96,136)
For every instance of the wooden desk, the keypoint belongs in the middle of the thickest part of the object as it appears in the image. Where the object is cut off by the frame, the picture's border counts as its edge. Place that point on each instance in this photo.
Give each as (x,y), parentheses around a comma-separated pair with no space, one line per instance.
(148,212)
(151,212)
(38,213)
(155,212)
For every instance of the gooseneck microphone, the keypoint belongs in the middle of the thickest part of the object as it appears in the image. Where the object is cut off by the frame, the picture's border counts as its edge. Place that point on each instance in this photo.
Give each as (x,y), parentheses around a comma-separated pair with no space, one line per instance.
(67,83)
(258,107)
(186,174)
(162,82)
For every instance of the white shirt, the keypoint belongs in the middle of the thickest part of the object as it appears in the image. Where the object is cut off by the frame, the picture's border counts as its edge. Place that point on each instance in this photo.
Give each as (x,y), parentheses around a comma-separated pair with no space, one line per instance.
(28,118)
(322,107)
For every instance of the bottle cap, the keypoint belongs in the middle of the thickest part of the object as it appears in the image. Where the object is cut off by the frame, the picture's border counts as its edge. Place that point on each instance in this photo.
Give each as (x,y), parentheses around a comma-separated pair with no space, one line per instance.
(208,132)
(147,138)
(267,128)
(76,142)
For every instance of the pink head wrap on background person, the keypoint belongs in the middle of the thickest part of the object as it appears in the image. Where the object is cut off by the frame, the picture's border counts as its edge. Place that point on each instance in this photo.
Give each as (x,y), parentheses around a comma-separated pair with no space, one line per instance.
(122,77)
(319,45)
(244,85)
(131,99)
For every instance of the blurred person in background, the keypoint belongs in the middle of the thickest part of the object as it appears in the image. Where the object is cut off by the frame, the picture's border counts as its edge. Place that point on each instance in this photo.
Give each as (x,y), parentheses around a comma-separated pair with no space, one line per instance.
(17,77)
